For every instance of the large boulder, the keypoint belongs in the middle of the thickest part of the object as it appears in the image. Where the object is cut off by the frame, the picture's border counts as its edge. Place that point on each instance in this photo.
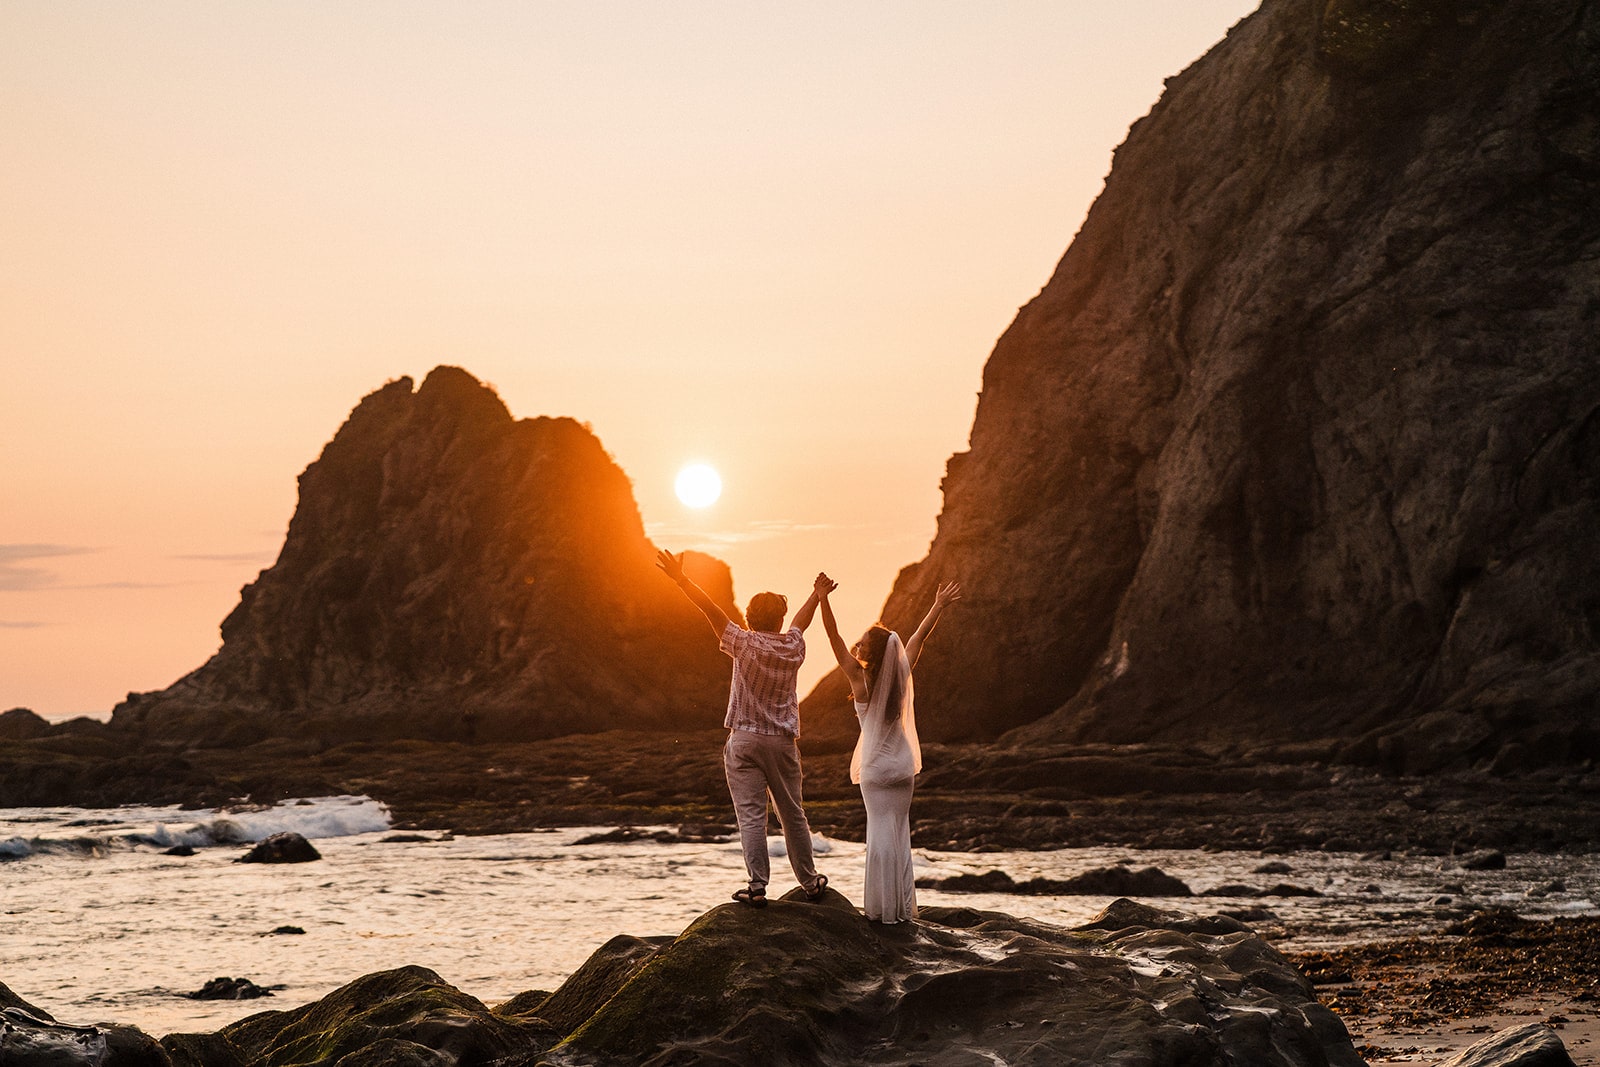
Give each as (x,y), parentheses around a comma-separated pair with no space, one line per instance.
(802,984)
(407,1015)
(453,573)
(1302,438)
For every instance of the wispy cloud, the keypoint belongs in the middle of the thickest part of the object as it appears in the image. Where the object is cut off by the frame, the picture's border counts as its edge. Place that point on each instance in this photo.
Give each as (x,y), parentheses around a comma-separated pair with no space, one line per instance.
(766,530)
(228,557)
(15,577)
(6,624)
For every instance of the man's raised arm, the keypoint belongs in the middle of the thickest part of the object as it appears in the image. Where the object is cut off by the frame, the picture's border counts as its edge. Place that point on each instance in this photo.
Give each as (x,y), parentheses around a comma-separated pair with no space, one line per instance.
(672,567)
(808,610)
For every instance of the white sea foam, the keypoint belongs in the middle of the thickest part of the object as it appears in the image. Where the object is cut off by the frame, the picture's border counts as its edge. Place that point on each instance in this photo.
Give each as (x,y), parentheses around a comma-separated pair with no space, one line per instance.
(71,832)
(777,848)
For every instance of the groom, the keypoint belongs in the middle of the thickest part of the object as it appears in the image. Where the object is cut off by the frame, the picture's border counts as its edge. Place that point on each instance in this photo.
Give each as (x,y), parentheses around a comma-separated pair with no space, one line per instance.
(762,754)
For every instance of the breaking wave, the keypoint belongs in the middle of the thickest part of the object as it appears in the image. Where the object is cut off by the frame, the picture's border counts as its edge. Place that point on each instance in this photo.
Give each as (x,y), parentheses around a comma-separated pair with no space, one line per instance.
(69,833)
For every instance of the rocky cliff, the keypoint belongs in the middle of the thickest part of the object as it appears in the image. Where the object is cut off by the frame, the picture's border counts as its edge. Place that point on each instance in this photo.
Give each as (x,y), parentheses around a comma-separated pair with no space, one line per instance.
(451,572)
(1302,438)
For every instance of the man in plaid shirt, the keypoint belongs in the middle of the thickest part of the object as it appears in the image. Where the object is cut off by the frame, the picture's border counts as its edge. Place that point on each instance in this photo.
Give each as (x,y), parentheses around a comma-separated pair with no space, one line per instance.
(762,754)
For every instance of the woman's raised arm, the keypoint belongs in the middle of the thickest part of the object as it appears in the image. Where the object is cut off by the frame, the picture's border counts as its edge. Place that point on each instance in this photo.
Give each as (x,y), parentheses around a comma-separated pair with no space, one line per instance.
(947,592)
(841,652)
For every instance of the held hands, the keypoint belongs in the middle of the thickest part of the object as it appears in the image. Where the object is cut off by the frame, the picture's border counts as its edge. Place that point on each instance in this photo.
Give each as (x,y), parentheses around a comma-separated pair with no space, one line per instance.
(823,586)
(948,592)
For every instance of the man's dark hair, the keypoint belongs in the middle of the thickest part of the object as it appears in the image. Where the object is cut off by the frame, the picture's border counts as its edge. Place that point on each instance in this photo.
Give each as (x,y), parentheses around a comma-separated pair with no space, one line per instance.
(766,611)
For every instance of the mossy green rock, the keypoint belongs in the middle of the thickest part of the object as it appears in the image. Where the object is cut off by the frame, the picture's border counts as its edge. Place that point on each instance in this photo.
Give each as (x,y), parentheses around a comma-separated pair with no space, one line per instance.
(410,1014)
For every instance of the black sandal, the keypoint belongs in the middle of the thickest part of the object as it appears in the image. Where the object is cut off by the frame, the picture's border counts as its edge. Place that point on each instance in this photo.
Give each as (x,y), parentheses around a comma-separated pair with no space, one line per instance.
(816,892)
(756,898)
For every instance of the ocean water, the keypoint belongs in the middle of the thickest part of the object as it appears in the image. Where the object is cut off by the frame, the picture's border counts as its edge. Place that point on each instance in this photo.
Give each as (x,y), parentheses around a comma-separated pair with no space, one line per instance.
(98,925)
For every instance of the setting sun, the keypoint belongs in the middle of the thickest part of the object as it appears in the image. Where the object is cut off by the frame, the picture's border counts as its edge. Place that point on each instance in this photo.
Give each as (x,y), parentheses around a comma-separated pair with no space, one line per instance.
(698,486)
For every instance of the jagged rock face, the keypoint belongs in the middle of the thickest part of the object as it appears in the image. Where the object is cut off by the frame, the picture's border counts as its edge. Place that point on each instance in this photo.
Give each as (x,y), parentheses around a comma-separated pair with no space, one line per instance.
(1302,439)
(451,572)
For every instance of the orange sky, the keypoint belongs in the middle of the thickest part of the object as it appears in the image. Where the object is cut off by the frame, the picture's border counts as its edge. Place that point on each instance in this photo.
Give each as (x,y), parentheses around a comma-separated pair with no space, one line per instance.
(780,239)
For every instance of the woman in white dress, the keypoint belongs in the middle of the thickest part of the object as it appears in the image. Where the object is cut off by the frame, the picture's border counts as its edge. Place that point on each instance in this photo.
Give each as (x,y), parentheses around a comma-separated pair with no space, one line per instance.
(887,756)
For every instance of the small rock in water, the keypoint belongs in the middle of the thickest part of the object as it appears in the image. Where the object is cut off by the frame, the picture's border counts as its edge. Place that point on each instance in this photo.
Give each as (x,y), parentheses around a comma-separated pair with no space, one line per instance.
(1283,889)
(1231,890)
(1273,867)
(1483,860)
(987,882)
(286,930)
(1252,915)
(286,847)
(179,850)
(1118,881)
(404,839)
(229,989)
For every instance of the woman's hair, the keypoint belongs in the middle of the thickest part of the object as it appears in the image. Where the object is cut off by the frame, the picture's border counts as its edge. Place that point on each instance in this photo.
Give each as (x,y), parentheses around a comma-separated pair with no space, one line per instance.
(873,643)
(766,611)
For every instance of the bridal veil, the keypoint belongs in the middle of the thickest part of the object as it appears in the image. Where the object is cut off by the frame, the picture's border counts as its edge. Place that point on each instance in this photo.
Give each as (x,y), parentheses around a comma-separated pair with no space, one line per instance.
(888,749)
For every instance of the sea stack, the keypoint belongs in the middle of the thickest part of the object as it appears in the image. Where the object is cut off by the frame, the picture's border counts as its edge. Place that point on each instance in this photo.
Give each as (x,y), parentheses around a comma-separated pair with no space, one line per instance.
(452,573)
(1302,438)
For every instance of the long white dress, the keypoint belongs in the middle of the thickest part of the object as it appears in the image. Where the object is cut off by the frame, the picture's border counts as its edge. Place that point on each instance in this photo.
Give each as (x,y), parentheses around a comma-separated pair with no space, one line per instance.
(886,761)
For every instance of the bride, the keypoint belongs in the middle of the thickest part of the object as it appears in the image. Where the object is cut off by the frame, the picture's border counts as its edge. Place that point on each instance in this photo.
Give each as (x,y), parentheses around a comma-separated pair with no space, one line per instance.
(887,756)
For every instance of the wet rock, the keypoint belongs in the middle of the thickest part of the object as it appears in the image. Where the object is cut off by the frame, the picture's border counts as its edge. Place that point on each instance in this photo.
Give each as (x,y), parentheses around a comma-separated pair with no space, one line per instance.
(1284,889)
(229,989)
(388,1013)
(1100,882)
(987,882)
(405,839)
(1232,890)
(597,981)
(1272,867)
(1532,1045)
(285,930)
(1251,916)
(1482,860)
(1003,988)
(202,1050)
(31,1037)
(36,1040)
(285,847)
(179,850)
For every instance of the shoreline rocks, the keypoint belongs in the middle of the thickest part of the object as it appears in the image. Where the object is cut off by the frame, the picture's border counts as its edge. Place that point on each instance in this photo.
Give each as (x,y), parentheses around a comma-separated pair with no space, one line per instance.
(798,983)
(1100,882)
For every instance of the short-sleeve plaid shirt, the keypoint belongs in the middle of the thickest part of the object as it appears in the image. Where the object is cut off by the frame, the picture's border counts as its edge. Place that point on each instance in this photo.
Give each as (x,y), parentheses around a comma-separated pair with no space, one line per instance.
(764,698)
